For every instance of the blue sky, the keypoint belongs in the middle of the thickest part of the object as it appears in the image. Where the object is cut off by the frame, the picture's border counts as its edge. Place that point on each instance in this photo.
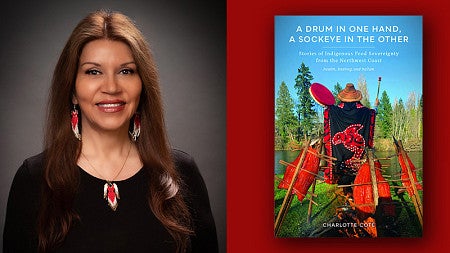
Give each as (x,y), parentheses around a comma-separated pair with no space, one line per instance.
(302,39)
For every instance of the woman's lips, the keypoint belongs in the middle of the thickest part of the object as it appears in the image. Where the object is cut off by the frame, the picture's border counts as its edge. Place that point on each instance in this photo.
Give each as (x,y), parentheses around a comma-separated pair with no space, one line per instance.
(111,106)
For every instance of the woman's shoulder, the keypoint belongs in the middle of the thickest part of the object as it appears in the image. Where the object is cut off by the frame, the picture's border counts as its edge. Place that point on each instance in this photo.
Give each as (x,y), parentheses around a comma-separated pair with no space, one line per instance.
(23,205)
(182,158)
(198,201)
(35,160)
(187,168)
(33,165)
(30,172)
(185,164)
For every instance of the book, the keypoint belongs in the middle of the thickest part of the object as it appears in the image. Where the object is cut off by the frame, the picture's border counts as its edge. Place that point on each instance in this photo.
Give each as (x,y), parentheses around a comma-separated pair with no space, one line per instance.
(348,126)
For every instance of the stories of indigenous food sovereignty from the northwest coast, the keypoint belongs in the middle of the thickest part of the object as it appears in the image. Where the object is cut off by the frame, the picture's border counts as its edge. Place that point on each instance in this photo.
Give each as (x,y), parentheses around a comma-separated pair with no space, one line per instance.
(348,126)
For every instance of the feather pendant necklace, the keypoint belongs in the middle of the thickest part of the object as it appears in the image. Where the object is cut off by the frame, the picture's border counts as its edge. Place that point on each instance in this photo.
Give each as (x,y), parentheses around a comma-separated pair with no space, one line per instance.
(110,188)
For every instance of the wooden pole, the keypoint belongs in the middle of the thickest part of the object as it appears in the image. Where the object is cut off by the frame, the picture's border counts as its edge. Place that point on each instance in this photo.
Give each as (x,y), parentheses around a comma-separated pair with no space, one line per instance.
(416,197)
(373,176)
(285,205)
(313,188)
(283,212)
(310,206)
(307,171)
(351,185)
(323,156)
(379,82)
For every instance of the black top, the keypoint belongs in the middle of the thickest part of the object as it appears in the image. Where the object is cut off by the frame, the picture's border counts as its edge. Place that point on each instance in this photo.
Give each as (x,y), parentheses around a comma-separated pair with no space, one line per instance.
(131,228)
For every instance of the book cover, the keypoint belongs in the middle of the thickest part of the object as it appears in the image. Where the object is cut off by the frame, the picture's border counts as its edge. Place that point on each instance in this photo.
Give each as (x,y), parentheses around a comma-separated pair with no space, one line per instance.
(348,126)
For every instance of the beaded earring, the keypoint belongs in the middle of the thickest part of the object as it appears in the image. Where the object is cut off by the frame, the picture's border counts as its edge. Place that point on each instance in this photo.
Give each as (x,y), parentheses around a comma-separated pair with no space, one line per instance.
(75,121)
(136,131)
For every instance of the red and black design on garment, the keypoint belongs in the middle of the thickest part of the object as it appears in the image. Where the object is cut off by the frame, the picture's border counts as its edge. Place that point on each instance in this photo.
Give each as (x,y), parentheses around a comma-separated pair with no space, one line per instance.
(348,129)
(352,140)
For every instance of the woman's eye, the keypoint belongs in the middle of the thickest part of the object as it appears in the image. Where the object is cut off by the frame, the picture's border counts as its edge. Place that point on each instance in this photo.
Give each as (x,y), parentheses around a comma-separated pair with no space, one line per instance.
(92,72)
(127,71)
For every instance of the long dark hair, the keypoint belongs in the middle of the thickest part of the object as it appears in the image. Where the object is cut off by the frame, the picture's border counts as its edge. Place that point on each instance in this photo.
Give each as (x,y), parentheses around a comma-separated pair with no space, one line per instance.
(62,149)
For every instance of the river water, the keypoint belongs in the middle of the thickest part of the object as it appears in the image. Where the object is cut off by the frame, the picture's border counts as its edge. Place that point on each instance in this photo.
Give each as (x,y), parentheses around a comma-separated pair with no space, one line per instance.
(393,169)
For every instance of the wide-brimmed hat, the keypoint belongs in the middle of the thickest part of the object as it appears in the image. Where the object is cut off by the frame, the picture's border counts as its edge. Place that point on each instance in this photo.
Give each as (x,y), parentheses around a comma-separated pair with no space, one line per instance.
(350,94)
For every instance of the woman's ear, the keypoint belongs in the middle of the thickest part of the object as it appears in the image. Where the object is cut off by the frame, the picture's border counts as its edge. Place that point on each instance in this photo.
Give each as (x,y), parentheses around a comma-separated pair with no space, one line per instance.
(74,99)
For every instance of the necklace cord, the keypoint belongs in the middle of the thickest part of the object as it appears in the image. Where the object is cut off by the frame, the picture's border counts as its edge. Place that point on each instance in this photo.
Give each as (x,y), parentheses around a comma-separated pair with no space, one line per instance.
(118,173)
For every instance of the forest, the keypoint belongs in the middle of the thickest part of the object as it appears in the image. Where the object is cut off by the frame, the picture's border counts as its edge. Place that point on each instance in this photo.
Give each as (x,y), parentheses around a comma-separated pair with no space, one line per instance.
(299,116)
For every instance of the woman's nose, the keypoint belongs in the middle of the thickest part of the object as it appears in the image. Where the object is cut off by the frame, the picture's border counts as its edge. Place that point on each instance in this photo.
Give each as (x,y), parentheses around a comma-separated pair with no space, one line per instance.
(111,84)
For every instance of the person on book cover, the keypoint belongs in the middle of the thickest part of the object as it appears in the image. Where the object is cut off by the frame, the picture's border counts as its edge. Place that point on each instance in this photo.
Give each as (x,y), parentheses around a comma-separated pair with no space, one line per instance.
(348,129)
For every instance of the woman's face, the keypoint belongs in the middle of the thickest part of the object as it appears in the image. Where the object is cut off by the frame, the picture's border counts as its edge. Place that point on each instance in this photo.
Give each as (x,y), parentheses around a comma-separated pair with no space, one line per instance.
(107,86)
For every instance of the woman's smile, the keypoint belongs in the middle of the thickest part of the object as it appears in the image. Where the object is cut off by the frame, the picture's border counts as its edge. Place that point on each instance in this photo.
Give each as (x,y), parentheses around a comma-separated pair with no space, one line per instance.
(111,106)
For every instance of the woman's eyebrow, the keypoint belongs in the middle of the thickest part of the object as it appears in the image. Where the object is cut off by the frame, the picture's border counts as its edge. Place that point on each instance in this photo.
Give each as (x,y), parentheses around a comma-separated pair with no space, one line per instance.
(93,63)
(98,64)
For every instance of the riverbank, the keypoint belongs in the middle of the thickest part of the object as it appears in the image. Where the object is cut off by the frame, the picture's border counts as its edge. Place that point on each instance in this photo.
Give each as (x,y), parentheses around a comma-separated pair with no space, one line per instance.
(380,144)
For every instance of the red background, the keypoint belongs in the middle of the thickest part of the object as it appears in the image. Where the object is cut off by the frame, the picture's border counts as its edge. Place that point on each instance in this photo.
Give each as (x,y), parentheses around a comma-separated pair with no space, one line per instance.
(250,110)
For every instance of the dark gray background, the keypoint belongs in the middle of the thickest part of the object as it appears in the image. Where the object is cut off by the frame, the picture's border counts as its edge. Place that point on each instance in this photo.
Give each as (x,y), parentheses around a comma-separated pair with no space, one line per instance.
(188,39)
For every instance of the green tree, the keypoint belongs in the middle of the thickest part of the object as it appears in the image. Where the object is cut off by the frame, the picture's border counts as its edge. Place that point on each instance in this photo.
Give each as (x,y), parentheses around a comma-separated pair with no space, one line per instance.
(420,117)
(305,109)
(384,117)
(362,86)
(399,122)
(336,90)
(411,109)
(285,121)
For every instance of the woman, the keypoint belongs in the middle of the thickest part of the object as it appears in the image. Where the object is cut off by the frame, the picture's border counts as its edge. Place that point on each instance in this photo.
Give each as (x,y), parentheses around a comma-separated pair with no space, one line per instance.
(107,180)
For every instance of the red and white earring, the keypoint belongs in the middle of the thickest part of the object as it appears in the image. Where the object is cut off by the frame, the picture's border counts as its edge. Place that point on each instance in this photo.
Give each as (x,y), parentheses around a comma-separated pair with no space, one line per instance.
(75,121)
(136,131)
